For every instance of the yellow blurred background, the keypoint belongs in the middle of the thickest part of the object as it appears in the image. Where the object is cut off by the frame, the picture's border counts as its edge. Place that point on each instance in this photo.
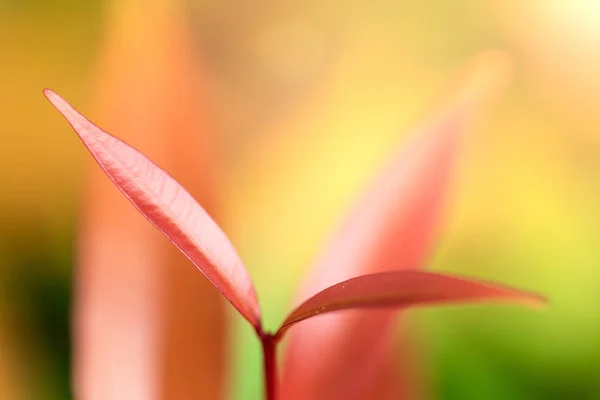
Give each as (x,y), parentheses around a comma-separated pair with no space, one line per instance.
(298,104)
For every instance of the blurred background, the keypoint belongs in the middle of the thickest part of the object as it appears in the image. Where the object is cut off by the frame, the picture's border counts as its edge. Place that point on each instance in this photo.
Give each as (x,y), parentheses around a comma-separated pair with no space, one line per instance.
(276,114)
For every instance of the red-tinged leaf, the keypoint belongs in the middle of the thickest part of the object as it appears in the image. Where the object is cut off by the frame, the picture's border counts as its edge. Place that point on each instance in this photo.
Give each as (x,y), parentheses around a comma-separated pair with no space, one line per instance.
(169,208)
(403,289)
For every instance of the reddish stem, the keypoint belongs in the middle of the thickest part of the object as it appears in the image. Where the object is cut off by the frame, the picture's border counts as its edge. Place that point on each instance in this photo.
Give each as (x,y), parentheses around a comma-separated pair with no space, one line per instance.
(269,344)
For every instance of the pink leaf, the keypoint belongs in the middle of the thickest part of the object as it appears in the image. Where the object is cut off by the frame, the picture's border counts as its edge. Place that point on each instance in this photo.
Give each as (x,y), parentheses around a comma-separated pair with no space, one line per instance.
(170,208)
(403,289)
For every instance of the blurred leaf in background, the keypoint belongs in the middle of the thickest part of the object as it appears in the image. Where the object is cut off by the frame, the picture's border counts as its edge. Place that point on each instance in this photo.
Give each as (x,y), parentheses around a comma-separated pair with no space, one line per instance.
(394,226)
(147,325)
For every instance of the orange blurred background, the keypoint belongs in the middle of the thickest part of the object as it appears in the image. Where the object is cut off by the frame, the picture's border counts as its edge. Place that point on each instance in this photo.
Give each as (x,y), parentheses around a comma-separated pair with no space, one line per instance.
(276,114)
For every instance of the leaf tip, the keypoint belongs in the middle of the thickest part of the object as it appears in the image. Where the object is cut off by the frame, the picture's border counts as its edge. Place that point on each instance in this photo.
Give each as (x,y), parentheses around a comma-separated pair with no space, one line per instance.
(49,93)
(54,98)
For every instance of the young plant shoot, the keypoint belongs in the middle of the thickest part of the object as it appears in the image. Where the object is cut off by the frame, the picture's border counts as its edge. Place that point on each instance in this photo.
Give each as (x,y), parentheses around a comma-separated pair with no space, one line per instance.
(173,211)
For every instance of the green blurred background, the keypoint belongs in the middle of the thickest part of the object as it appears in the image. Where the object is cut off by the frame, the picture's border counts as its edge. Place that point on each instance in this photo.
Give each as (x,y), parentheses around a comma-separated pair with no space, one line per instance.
(305,101)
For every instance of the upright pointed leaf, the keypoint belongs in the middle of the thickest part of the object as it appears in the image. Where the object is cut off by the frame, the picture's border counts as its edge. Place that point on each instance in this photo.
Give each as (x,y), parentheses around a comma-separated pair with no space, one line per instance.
(403,289)
(393,226)
(169,208)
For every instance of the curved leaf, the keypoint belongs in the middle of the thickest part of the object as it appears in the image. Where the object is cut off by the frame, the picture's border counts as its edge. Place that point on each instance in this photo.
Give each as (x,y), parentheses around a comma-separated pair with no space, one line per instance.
(402,289)
(170,208)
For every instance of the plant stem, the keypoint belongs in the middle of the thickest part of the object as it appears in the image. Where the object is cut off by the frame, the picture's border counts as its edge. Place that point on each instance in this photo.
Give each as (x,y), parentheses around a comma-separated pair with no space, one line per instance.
(269,343)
